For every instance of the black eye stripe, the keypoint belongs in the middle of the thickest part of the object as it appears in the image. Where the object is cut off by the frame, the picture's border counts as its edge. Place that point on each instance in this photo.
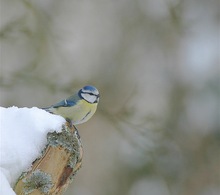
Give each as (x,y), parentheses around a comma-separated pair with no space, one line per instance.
(90,94)
(97,96)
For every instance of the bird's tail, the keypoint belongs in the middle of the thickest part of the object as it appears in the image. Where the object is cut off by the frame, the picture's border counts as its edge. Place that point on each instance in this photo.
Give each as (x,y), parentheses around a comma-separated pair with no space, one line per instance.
(48,109)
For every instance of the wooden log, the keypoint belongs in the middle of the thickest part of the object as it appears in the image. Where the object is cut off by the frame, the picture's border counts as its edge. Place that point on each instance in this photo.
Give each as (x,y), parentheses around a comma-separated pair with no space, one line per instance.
(52,172)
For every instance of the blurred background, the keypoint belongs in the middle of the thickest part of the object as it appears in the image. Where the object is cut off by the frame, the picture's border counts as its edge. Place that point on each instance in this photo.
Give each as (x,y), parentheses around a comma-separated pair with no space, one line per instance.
(156,65)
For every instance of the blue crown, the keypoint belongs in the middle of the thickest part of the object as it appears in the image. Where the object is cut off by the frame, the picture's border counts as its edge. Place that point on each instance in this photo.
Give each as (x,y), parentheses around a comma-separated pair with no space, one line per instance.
(89,88)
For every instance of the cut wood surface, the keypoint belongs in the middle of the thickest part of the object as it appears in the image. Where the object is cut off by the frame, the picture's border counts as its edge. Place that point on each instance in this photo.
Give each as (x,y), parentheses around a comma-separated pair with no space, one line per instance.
(53,171)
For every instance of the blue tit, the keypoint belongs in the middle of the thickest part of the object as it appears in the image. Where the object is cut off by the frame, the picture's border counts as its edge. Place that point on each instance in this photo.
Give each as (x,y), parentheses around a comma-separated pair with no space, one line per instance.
(79,107)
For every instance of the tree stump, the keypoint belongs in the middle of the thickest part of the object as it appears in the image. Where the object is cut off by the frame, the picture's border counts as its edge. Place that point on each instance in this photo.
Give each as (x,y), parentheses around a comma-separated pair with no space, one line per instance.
(52,172)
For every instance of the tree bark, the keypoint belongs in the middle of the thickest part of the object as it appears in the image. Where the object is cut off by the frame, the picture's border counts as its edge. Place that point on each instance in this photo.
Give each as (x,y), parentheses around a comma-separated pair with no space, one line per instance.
(52,172)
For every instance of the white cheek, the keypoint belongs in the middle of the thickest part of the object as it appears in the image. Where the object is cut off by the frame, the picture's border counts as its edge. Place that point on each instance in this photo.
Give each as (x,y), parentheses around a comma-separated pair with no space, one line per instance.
(88,97)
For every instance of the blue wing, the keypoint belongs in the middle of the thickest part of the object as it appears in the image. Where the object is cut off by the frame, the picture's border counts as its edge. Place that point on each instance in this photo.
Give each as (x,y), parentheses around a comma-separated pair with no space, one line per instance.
(64,103)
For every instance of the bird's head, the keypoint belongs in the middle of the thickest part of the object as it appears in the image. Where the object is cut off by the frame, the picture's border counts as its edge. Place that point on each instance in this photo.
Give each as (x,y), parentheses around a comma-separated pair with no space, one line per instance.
(89,94)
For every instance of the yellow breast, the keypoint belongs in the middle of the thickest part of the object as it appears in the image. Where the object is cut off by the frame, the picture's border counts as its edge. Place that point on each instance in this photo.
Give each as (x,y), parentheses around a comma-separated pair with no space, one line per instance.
(79,113)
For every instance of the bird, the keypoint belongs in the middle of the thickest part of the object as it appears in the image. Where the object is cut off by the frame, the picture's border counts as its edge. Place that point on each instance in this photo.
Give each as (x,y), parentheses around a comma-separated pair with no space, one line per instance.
(77,108)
